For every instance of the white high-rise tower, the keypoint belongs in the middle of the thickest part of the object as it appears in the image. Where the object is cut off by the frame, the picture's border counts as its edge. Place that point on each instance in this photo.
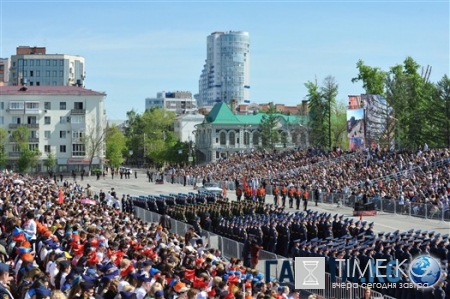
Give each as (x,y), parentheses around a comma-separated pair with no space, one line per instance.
(226,73)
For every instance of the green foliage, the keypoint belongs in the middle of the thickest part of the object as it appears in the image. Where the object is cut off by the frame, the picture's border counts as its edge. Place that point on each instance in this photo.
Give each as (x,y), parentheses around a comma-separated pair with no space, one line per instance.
(339,127)
(3,153)
(50,162)
(421,109)
(28,158)
(329,91)
(115,146)
(150,135)
(317,109)
(373,78)
(268,128)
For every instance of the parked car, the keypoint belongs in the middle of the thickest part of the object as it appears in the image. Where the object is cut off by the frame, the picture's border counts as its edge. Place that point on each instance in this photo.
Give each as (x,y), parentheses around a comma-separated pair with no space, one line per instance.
(210,188)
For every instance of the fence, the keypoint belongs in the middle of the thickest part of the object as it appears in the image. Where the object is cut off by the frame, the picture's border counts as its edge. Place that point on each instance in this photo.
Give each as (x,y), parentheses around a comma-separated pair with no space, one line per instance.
(228,247)
(231,248)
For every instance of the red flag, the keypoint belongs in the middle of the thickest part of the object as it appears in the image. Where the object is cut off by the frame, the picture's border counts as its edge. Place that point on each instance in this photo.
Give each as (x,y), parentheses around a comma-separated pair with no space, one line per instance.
(61,196)
(245,184)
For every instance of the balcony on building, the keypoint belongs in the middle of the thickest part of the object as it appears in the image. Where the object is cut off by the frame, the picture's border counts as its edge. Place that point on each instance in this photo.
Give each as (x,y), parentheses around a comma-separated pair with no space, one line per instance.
(31,108)
(29,126)
(14,154)
(30,139)
(78,111)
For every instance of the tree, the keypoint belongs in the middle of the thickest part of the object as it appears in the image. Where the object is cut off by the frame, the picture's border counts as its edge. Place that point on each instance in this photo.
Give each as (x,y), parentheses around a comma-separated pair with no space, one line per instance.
(150,135)
(93,141)
(50,162)
(339,127)
(115,146)
(316,121)
(268,128)
(410,94)
(443,106)
(329,92)
(3,153)
(373,79)
(28,158)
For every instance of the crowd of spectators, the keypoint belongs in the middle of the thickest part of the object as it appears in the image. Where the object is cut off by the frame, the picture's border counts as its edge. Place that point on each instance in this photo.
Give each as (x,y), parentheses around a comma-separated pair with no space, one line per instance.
(406,177)
(56,244)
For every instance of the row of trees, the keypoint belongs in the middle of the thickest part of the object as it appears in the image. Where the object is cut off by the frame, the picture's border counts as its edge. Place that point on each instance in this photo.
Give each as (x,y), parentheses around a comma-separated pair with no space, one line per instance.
(148,138)
(419,109)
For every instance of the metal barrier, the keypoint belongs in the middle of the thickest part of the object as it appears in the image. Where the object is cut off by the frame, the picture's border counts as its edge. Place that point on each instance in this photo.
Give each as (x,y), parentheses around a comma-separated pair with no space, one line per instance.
(228,247)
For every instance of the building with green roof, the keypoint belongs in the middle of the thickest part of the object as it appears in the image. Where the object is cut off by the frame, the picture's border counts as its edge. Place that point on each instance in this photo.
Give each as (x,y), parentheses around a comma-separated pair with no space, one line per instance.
(223,133)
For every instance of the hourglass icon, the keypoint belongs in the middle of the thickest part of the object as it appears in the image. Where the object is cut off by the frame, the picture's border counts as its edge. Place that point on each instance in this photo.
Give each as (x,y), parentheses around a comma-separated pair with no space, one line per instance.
(310,279)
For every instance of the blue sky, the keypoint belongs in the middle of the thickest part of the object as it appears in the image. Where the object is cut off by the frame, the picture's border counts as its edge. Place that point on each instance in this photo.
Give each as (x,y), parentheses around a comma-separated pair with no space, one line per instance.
(135,49)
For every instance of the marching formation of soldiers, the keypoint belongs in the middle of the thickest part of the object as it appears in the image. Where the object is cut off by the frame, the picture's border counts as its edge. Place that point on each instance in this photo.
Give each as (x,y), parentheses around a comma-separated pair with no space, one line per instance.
(301,234)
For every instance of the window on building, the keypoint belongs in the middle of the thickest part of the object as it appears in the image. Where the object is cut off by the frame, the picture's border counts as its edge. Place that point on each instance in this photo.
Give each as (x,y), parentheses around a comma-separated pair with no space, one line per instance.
(38,63)
(2,105)
(60,73)
(62,148)
(62,134)
(77,119)
(2,120)
(25,63)
(61,62)
(31,73)
(62,119)
(47,134)
(31,83)
(38,73)
(38,83)
(31,120)
(47,148)
(47,73)
(78,105)
(246,138)
(16,120)
(47,63)
(33,146)
(78,150)
(223,138)
(47,120)
(16,105)
(54,73)
(55,62)
(256,138)
(47,105)
(232,138)
(62,105)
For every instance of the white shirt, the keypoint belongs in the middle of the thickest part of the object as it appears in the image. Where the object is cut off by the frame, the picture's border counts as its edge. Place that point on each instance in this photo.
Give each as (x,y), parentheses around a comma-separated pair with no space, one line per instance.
(140,293)
(30,228)
(52,270)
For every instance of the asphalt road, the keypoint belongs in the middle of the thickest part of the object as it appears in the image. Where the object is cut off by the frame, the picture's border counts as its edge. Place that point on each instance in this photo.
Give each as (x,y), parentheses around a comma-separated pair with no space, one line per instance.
(385,222)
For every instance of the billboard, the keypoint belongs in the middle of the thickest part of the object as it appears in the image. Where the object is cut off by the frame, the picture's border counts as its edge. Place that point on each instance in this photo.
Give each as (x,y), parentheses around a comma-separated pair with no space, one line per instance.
(355,128)
(355,123)
(369,121)
(377,118)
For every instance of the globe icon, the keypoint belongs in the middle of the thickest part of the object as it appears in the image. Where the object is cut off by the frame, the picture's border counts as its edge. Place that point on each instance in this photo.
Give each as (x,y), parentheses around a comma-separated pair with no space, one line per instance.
(424,271)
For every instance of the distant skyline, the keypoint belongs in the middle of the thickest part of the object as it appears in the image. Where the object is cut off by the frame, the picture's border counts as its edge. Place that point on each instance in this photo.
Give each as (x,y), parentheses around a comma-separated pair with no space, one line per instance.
(135,49)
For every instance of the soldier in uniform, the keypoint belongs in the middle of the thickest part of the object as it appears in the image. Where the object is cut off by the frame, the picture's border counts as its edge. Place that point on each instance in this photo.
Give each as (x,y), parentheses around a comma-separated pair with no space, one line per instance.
(283,195)
(303,232)
(238,193)
(295,250)
(273,238)
(291,193)
(275,194)
(369,231)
